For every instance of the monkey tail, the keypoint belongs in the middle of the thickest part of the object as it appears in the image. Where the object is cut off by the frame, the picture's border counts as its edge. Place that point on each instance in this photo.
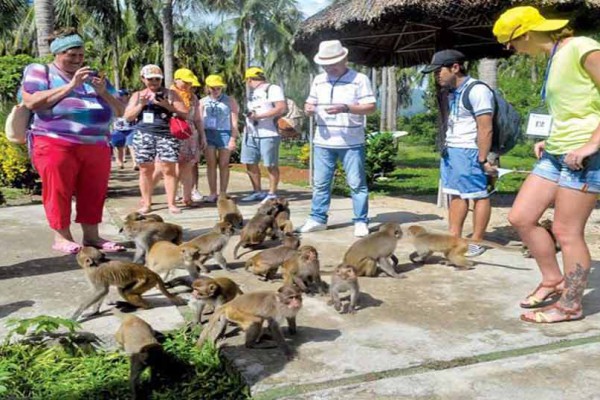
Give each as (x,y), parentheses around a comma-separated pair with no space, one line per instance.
(163,289)
(211,330)
(235,250)
(493,245)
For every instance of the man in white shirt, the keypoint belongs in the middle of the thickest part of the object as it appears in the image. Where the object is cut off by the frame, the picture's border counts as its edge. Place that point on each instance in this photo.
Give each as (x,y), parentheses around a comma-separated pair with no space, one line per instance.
(266,103)
(464,165)
(339,98)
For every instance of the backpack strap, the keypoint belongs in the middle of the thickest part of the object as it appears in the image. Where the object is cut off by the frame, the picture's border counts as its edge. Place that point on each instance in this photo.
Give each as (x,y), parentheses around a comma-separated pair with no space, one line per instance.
(465,96)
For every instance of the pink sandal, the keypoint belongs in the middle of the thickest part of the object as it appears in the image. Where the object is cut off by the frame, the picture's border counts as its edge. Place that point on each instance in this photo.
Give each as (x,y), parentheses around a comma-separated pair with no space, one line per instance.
(107,246)
(67,247)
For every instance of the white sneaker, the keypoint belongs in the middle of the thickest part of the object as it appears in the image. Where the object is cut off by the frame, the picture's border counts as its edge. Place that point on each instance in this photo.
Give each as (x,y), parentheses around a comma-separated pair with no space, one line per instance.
(196,196)
(311,226)
(361,229)
(474,250)
(268,197)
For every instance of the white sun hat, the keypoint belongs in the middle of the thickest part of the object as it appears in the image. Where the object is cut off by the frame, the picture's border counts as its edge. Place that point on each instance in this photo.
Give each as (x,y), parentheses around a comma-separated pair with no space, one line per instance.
(330,52)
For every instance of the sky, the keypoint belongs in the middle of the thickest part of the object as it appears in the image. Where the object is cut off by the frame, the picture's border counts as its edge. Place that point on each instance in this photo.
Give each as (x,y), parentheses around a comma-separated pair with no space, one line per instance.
(310,7)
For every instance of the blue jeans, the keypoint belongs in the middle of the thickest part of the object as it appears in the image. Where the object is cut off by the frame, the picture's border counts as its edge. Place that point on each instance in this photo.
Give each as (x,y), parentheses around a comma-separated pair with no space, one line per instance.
(353,161)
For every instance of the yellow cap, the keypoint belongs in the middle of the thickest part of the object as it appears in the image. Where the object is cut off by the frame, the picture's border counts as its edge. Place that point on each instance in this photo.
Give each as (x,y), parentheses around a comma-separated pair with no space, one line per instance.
(254,72)
(517,21)
(187,76)
(214,81)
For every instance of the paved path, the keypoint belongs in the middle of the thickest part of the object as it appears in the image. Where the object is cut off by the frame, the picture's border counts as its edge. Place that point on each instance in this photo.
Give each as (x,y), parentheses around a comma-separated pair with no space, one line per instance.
(438,334)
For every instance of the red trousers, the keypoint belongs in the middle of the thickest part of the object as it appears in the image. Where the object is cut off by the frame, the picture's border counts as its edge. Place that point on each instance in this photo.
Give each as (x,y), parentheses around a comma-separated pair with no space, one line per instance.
(69,169)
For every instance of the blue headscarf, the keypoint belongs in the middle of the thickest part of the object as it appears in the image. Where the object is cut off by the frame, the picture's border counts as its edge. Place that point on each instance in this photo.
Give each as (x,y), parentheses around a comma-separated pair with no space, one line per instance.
(65,43)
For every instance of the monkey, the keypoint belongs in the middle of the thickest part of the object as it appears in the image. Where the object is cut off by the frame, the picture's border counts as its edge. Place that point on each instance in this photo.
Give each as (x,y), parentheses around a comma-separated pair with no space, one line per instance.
(211,291)
(344,278)
(454,248)
(256,231)
(211,245)
(137,338)
(165,256)
(374,251)
(229,212)
(303,270)
(146,233)
(136,216)
(547,225)
(265,263)
(251,310)
(132,280)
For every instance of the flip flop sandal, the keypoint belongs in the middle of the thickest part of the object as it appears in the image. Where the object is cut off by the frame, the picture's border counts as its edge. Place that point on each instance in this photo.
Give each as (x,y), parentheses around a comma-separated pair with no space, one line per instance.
(108,246)
(540,316)
(174,210)
(67,247)
(145,210)
(534,302)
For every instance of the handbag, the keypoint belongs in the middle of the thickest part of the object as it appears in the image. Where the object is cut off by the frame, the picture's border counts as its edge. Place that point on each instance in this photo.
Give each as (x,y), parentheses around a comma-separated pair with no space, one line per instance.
(180,128)
(17,124)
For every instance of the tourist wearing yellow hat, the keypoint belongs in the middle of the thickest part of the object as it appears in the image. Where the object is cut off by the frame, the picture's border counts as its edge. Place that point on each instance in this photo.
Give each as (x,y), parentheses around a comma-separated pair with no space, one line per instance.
(189,152)
(567,174)
(220,114)
(261,140)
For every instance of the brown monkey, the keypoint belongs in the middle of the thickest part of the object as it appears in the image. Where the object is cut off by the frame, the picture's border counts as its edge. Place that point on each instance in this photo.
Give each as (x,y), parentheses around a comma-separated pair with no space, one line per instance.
(146,233)
(136,216)
(344,278)
(251,310)
(229,212)
(137,339)
(211,245)
(282,216)
(547,225)
(211,291)
(256,231)
(132,280)
(454,248)
(265,263)
(165,256)
(303,270)
(374,251)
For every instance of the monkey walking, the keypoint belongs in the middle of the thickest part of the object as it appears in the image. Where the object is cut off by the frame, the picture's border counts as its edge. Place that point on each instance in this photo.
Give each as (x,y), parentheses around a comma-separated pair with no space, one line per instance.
(211,245)
(145,233)
(211,291)
(344,279)
(229,211)
(165,256)
(258,229)
(251,310)
(132,280)
(266,263)
(304,271)
(375,251)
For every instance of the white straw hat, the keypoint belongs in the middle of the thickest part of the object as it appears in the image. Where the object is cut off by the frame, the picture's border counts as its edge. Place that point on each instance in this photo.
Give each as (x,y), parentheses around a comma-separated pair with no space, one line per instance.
(330,52)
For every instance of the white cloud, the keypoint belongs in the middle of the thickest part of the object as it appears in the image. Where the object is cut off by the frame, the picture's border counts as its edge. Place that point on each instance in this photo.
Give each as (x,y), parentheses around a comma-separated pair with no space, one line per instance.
(310,7)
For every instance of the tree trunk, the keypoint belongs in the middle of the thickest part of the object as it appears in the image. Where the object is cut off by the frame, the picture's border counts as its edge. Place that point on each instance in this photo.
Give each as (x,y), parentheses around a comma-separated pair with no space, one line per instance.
(44,24)
(488,69)
(392,103)
(167,25)
(247,54)
(383,98)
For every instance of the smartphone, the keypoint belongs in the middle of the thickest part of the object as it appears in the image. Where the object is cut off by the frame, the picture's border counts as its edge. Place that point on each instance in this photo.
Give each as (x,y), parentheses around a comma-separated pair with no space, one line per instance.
(159,96)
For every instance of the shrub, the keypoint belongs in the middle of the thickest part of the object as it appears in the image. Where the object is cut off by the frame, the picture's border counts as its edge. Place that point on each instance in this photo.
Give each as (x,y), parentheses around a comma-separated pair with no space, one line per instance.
(15,166)
(422,128)
(381,155)
(11,71)
(304,156)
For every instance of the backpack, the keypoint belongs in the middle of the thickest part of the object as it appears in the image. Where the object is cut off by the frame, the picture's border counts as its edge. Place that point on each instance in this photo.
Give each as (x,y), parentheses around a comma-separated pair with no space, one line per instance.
(506,122)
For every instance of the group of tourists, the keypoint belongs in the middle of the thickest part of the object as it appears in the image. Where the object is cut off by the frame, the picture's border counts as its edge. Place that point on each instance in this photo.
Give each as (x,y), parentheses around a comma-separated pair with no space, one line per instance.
(74,107)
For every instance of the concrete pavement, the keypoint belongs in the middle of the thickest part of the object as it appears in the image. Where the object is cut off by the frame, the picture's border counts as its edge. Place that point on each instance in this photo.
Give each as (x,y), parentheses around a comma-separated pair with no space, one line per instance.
(437,334)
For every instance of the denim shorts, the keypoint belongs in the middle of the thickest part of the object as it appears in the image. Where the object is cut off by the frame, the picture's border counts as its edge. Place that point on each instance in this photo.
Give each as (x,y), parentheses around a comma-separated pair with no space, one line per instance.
(217,139)
(462,175)
(554,168)
(254,149)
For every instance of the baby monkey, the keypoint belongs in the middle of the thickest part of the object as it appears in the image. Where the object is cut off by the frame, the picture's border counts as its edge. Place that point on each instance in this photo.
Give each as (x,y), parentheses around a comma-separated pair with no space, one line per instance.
(266,263)
(344,279)
(212,291)
(229,212)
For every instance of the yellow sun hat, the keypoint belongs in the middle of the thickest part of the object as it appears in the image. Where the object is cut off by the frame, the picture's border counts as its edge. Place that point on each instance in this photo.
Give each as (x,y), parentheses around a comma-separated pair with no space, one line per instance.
(187,76)
(517,21)
(214,81)
(254,72)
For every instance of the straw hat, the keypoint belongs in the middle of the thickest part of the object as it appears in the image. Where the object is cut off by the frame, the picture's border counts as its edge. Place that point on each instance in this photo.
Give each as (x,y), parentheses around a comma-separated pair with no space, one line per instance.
(330,52)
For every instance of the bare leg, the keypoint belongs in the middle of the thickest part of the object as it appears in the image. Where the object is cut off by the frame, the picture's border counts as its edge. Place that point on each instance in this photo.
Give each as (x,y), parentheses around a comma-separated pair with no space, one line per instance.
(254,174)
(224,156)
(120,156)
(482,210)
(457,215)
(158,175)
(132,154)
(186,179)
(170,178)
(533,199)
(273,178)
(146,183)
(211,169)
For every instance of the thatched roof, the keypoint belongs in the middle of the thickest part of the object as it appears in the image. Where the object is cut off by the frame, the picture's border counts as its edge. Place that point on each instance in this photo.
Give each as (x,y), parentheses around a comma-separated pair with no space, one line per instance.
(407,32)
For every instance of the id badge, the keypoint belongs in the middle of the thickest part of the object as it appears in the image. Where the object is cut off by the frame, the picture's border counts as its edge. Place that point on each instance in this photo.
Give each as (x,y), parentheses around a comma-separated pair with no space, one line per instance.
(148,118)
(539,124)
(211,123)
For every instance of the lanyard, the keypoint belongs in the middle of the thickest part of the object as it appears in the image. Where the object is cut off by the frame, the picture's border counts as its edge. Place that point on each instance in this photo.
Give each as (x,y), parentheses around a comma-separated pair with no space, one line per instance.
(543,91)
(454,103)
(334,83)
(214,105)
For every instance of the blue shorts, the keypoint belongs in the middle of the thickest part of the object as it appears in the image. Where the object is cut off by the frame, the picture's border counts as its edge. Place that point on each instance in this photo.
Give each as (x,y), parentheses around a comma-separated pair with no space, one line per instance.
(254,149)
(553,168)
(121,138)
(217,139)
(462,175)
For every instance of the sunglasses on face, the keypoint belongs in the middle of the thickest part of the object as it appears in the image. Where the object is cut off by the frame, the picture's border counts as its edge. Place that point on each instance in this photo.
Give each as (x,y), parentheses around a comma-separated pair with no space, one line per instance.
(153,79)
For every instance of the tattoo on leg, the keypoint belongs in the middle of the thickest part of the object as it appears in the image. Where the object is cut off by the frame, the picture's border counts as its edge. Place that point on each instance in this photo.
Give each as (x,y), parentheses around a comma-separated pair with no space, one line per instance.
(575,283)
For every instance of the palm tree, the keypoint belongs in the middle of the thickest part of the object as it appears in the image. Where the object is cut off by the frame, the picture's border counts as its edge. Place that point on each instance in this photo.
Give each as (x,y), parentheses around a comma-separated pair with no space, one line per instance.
(44,23)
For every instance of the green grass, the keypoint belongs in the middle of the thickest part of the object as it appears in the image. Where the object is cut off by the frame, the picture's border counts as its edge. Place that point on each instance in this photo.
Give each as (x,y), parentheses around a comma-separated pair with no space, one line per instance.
(37,372)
